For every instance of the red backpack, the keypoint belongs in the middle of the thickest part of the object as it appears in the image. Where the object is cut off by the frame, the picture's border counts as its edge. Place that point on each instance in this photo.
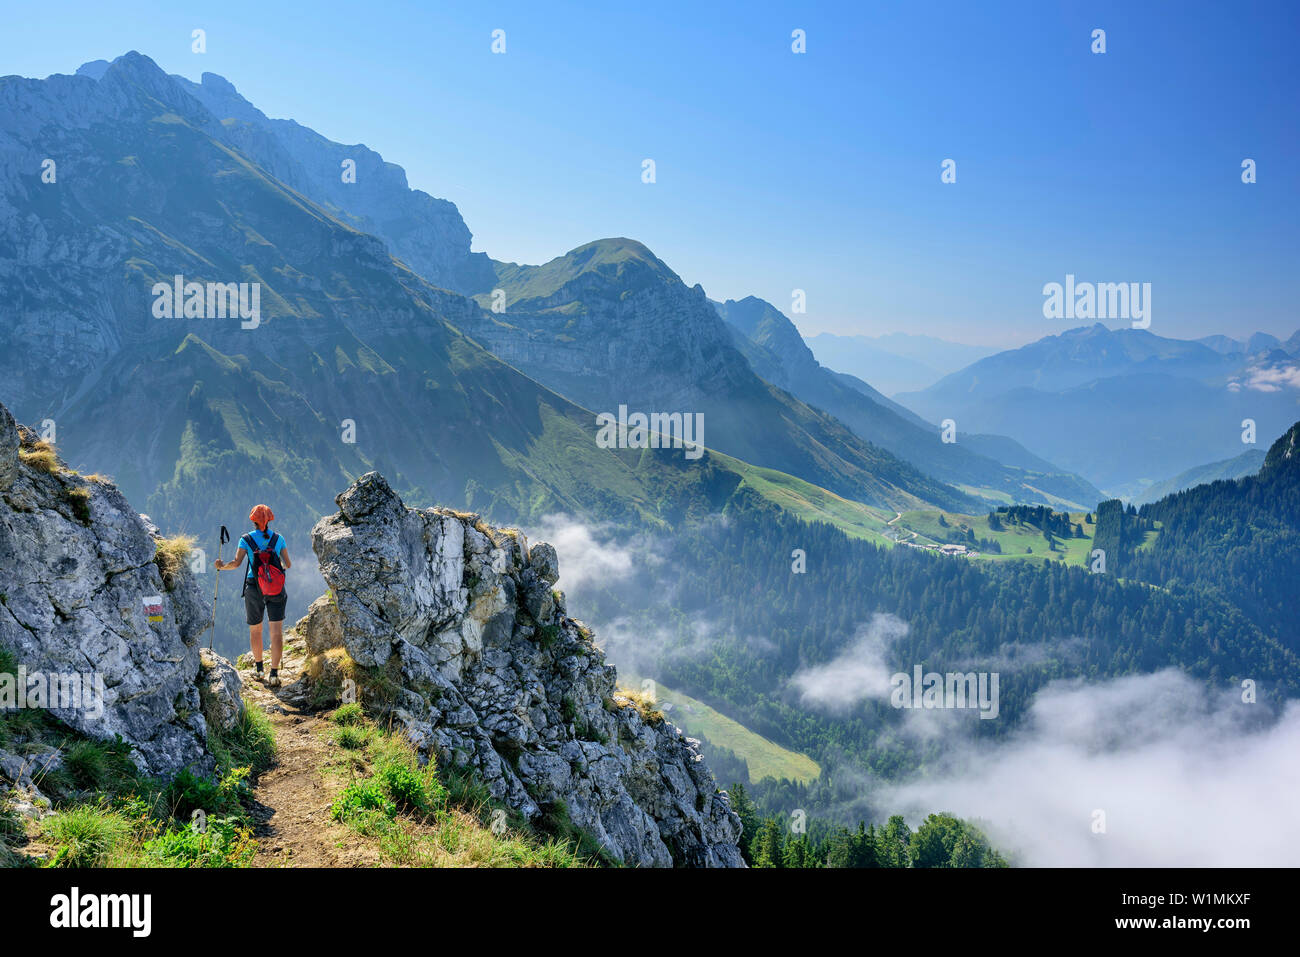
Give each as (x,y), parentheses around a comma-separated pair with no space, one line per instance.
(266,566)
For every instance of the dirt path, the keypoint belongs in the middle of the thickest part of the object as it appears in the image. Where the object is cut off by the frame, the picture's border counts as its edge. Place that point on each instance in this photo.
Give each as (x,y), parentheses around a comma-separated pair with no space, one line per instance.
(291,799)
(911,534)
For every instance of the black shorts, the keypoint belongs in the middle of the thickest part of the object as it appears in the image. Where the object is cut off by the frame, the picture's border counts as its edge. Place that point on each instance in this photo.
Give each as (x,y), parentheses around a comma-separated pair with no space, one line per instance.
(255,604)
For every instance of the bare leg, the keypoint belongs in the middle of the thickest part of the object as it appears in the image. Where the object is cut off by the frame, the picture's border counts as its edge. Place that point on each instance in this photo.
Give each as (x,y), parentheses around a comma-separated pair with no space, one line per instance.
(277,643)
(255,641)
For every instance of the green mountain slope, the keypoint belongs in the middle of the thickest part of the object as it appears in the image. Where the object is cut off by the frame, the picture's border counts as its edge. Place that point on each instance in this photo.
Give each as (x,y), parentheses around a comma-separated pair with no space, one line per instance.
(1238,539)
(1239,466)
(609,324)
(973,463)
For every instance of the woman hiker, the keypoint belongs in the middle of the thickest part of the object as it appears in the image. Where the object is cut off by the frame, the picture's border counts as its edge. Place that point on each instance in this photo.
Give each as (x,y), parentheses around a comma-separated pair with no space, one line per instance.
(263,587)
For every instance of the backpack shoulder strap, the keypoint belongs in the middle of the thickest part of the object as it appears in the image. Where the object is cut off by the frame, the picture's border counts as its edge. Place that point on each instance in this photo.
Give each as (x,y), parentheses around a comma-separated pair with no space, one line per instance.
(250,546)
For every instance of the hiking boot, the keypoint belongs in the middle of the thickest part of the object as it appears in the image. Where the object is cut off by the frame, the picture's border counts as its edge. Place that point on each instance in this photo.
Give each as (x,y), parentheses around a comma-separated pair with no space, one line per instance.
(258,673)
(273,680)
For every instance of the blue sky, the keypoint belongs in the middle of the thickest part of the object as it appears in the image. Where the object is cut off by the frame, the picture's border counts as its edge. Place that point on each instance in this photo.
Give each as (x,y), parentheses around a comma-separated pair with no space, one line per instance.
(818,171)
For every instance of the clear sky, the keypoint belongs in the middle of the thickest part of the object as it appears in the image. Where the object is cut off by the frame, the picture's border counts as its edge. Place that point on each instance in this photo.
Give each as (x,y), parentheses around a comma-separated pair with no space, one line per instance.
(818,171)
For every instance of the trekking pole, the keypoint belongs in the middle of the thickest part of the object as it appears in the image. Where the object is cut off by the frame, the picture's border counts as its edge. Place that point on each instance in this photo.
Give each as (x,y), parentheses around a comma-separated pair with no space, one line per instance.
(216,587)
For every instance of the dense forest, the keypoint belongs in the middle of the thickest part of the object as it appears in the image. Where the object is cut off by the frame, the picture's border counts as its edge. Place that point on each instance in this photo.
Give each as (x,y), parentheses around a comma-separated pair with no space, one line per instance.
(735,620)
(1119,534)
(1236,539)
(941,840)
(1039,516)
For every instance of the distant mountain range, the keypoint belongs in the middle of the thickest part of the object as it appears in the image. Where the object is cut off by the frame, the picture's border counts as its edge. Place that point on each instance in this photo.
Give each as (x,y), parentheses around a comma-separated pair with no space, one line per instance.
(992,467)
(383,342)
(356,363)
(896,362)
(1259,342)
(1124,408)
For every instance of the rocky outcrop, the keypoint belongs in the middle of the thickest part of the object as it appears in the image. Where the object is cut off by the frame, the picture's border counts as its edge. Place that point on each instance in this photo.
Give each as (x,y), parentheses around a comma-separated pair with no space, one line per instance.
(84,606)
(458,636)
(219,687)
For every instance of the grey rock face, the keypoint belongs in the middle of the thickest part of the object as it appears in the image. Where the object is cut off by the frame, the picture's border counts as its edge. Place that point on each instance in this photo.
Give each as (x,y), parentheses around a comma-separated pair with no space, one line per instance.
(494,677)
(25,769)
(425,232)
(544,562)
(8,449)
(76,567)
(219,686)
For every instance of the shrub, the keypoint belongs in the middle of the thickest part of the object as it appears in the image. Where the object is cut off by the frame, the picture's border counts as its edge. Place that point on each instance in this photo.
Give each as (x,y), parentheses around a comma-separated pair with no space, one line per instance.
(86,836)
(359,797)
(397,769)
(224,842)
(187,793)
(79,501)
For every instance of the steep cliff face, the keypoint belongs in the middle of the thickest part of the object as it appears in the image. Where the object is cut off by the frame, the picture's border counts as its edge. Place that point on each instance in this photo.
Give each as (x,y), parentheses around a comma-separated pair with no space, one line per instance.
(425,232)
(453,629)
(102,639)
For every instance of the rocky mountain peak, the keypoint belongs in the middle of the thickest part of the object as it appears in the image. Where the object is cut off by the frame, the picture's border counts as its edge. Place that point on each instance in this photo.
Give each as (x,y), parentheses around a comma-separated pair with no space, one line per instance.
(452,629)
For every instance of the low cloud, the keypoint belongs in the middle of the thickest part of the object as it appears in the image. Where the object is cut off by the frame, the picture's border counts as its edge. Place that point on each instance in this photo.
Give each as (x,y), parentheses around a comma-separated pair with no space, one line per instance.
(1272,378)
(646,649)
(858,673)
(1183,780)
(590,554)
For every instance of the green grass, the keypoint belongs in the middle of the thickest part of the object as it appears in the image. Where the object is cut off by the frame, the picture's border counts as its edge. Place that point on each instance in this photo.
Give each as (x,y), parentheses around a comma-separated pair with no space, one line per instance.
(765,758)
(812,503)
(418,817)
(127,833)
(1014,539)
(107,815)
(250,743)
(221,843)
(88,836)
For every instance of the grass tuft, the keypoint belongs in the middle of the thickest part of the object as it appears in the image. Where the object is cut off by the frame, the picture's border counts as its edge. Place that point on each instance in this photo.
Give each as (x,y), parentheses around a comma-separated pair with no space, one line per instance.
(171,556)
(250,742)
(420,818)
(86,836)
(41,456)
(643,703)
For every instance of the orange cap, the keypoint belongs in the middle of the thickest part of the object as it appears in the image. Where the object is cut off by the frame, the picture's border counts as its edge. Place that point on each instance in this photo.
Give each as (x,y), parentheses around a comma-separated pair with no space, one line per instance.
(261,515)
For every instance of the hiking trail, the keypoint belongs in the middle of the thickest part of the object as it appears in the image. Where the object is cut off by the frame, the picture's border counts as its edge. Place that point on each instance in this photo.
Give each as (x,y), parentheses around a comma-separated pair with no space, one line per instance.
(291,798)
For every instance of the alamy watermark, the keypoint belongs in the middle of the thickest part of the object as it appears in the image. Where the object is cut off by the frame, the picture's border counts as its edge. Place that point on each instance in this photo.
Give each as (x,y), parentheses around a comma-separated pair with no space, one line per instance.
(656,430)
(53,691)
(951,690)
(1103,300)
(212,300)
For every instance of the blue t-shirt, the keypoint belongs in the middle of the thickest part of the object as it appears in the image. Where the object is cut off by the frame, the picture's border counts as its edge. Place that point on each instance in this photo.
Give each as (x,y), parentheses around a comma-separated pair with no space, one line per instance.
(260,540)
